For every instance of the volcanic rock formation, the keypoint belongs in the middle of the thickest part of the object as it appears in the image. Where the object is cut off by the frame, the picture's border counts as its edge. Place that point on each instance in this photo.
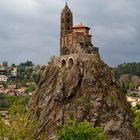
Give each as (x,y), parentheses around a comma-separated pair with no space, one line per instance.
(81,86)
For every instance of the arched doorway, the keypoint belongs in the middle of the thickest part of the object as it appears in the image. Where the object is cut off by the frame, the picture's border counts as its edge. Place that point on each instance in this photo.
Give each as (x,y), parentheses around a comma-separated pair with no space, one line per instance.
(63,62)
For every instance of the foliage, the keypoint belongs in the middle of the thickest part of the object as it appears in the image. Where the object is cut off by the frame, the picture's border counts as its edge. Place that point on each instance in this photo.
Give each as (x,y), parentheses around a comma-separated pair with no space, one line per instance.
(3,130)
(26,72)
(128,76)
(36,77)
(19,106)
(127,68)
(30,88)
(136,123)
(7,102)
(81,131)
(125,87)
(3,102)
(18,126)
(2,95)
(27,63)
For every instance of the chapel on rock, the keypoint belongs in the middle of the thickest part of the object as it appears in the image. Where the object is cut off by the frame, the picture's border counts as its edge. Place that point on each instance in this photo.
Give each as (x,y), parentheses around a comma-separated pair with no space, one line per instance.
(74,39)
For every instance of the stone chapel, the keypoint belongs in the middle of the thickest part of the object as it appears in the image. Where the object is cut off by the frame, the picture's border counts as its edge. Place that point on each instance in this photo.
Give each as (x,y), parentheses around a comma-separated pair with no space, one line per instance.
(74,39)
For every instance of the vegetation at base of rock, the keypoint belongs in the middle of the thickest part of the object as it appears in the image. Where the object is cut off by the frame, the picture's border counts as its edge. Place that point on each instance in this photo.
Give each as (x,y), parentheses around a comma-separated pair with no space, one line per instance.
(17,128)
(81,131)
(136,123)
(17,125)
(6,102)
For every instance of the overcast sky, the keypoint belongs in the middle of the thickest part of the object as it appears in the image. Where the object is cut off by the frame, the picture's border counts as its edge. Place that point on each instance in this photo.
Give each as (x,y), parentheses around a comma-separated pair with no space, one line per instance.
(29,29)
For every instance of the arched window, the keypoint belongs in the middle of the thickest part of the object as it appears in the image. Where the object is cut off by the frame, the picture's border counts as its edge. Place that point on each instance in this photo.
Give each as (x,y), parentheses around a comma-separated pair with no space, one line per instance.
(70,62)
(68,20)
(63,62)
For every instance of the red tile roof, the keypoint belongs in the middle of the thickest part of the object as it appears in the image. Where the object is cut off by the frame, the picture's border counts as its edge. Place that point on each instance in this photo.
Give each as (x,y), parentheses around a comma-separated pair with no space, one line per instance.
(80,26)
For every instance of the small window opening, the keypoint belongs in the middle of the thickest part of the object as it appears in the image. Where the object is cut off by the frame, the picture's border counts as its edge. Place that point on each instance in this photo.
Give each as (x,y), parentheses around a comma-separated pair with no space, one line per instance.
(63,62)
(68,20)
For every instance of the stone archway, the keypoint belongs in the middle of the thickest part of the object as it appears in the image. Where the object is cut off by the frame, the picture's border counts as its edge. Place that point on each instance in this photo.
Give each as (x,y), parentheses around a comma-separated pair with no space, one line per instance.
(63,62)
(70,62)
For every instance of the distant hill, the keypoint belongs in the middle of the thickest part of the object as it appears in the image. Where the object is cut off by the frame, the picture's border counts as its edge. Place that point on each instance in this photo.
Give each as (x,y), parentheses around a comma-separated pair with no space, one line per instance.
(127,68)
(128,76)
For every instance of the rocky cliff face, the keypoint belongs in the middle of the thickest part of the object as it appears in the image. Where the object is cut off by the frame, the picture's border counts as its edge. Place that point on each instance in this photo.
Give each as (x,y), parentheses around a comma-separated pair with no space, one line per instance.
(81,86)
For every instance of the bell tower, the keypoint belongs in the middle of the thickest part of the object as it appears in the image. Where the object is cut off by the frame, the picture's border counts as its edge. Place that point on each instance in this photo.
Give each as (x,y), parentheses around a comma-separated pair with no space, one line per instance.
(66,25)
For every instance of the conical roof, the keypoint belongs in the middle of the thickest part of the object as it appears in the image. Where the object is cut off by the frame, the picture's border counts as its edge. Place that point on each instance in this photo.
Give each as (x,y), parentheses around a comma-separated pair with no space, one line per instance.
(66,8)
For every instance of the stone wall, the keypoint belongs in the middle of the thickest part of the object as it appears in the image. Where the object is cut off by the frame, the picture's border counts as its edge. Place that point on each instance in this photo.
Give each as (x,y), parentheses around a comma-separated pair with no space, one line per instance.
(73,59)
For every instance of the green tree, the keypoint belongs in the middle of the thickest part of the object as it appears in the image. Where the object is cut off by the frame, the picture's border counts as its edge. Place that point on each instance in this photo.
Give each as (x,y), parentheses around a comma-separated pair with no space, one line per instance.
(18,126)
(3,130)
(136,123)
(135,80)
(36,77)
(13,65)
(81,131)
(127,68)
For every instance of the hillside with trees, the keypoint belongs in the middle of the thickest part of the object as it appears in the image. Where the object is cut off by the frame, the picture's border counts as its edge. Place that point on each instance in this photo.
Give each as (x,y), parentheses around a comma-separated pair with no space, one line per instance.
(127,68)
(18,80)
(128,76)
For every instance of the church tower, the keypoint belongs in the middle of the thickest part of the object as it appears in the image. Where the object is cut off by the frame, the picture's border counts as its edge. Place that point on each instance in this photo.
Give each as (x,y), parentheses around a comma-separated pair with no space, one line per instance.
(66,25)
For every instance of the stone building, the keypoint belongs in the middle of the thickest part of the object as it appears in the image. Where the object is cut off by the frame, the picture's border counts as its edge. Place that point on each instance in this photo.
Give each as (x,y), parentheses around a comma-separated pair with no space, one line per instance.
(74,39)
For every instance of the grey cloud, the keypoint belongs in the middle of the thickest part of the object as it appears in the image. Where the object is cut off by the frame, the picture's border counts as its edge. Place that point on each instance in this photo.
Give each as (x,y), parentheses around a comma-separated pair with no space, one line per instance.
(29,29)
